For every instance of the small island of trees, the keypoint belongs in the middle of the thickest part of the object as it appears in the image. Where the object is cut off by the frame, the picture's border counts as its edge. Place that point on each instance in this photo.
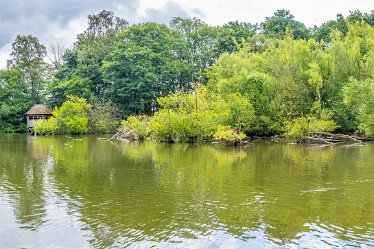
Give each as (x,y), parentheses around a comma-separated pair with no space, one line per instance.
(189,81)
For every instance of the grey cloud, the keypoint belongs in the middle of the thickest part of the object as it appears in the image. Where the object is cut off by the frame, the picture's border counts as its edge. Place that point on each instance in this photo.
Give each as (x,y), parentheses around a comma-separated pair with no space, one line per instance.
(52,20)
(58,9)
(165,14)
(198,12)
(39,17)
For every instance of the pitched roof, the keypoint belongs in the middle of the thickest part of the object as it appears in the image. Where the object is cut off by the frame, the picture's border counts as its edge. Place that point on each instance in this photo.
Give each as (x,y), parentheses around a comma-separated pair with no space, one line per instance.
(39,109)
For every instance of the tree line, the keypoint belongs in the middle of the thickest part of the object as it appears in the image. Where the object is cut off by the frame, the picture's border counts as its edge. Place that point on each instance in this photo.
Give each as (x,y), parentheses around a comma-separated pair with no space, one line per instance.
(277,77)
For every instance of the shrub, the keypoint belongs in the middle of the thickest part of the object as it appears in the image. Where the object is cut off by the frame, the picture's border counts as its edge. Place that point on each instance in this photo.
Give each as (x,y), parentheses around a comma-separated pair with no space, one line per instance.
(300,127)
(103,117)
(322,125)
(187,117)
(72,116)
(162,126)
(228,135)
(241,112)
(139,124)
(46,126)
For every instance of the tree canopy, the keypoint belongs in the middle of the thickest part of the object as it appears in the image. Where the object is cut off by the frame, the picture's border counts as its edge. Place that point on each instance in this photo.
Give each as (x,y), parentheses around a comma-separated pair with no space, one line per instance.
(277,77)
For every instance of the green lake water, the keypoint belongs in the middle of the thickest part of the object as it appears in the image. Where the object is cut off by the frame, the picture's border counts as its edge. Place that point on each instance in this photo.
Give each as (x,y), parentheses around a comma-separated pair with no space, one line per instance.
(60,192)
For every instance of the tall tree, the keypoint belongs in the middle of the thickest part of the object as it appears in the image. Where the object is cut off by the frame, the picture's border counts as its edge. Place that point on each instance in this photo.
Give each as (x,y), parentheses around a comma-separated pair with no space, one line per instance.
(14,101)
(201,40)
(97,40)
(94,44)
(145,65)
(323,32)
(232,35)
(282,22)
(28,56)
(80,73)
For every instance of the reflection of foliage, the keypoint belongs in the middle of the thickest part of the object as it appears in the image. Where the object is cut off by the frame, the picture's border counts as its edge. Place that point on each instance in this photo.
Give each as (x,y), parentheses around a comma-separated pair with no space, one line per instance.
(158,192)
(229,156)
(23,180)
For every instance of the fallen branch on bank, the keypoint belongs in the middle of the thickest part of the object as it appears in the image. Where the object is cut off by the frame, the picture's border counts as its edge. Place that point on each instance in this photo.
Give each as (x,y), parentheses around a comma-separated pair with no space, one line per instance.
(125,136)
(335,139)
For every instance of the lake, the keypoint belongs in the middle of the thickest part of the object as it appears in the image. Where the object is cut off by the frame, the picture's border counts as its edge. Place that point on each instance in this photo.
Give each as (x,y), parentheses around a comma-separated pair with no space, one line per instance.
(63,192)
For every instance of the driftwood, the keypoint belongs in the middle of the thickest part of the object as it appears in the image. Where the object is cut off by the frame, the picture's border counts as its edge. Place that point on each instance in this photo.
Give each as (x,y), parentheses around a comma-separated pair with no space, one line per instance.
(125,136)
(335,139)
(319,140)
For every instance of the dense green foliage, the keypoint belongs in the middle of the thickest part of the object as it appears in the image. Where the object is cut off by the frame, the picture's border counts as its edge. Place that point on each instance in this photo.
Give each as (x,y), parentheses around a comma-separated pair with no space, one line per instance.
(186,117)
(14,101)
(76,116)
(70,118)
(194,80)
(149,61)
(341,24)
(301,127)
(196,116)
(23,83)
(282,23)
(138,124)
(103,117)
(228,135)
(301,78)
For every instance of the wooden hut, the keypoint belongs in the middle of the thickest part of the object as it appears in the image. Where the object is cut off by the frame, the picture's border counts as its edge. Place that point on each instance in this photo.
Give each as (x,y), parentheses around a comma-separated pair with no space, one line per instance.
(37,112)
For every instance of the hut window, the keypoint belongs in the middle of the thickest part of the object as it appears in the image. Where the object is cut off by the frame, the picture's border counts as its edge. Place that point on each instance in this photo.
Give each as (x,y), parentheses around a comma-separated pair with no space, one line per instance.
(34,117)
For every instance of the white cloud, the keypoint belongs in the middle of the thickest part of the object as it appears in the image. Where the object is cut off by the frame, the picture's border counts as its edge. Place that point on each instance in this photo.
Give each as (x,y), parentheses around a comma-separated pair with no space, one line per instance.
(4,55)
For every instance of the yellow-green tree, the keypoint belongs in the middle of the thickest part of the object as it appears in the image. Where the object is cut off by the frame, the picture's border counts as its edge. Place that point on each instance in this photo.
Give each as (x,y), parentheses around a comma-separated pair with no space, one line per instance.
(70,118)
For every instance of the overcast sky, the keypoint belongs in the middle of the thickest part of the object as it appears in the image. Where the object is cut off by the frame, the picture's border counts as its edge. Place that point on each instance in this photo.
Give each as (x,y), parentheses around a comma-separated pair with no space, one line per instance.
(60,21)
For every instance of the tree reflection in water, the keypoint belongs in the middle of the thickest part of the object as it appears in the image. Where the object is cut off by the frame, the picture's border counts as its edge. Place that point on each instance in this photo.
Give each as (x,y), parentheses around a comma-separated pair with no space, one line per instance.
(151,194)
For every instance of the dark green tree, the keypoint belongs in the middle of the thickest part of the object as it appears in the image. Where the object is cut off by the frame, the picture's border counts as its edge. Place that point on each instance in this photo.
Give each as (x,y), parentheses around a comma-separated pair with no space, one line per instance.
(234,35)
(323,32)
(28,57)
(282,22)
(80,74)
(145,65)
(14,101)
(201,41)
(98,39)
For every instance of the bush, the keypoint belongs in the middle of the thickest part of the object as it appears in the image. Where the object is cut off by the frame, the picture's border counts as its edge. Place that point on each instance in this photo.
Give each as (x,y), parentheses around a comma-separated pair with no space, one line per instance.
(184,117)
(162,126)
(70,118)
(228,135)
(46,126)
(139,124)
(300,127)
(241,112)
(103,117)
(322,125)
